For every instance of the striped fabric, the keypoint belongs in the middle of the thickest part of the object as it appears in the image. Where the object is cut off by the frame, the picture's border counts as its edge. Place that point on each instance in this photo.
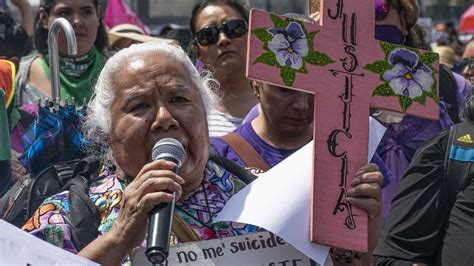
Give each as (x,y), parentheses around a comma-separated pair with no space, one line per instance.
(220,124)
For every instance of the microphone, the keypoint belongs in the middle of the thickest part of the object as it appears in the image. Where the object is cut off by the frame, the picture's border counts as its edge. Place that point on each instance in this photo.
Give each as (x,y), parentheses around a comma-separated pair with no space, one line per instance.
(161,217)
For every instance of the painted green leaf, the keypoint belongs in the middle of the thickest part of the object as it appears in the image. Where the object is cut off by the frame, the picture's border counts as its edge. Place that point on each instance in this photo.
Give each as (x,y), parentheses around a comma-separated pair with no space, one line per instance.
(288,75)
(378,67)
(421,100)
(387,47)
(303,69)
(267,58)
(262,34)
(405,102)
(318,59)
(278,22)
(429,58)
(383,90)
(310,38)
(433,94)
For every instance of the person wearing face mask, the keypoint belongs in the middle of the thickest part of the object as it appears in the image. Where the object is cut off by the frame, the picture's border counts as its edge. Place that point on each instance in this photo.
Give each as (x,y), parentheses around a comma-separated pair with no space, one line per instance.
(77,74)
(405,134)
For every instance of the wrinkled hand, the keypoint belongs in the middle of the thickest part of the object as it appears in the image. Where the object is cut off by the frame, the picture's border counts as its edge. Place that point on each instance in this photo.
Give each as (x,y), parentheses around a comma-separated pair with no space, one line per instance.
(366,192)
(18,171)
(141,195)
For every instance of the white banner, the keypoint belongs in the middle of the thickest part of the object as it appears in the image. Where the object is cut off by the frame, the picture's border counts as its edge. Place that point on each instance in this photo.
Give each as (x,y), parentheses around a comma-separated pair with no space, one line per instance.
(253,249)
(20,248)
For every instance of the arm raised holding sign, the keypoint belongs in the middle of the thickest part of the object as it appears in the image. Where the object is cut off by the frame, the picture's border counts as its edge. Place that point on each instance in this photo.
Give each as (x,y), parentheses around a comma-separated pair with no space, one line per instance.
(283,125)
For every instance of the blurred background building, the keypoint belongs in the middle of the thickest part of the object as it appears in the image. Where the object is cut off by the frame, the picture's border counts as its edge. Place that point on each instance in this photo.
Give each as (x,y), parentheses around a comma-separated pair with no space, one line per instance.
(159,12)
(444,10)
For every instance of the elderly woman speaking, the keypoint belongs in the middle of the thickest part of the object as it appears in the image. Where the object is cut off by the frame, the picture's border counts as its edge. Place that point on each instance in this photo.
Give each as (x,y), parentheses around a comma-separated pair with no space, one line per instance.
(146,93)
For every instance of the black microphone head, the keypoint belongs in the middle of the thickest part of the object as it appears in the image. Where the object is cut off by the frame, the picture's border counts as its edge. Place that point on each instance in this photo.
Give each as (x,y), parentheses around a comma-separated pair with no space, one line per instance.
(169,148)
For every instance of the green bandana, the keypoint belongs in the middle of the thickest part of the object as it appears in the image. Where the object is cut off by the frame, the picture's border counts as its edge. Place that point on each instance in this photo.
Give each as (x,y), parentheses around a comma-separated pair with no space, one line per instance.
(77,75)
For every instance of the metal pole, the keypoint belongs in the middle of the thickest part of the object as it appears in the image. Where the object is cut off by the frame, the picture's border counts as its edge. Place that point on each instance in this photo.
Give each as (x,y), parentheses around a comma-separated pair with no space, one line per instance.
(53,34)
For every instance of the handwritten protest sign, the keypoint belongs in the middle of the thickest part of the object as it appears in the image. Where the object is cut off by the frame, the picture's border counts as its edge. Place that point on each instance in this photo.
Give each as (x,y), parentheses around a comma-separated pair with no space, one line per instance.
(20,248)
(253,249)
(349,72)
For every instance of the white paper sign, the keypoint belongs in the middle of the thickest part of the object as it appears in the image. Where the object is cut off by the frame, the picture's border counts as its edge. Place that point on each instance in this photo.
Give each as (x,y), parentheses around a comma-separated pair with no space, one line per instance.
(20,248)
(253,249)
(280,199)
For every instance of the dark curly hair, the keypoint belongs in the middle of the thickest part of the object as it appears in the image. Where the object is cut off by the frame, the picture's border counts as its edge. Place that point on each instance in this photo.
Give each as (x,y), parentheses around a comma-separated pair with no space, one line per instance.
(41,34)
(14,40)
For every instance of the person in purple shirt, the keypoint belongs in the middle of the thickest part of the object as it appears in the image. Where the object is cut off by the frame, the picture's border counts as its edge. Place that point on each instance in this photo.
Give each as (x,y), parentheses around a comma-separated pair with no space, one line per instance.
(284,125)
(277,127)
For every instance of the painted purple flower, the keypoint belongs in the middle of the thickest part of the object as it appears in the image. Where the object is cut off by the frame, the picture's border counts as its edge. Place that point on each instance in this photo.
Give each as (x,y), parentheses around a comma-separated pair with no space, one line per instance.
(409,76)
(289,45)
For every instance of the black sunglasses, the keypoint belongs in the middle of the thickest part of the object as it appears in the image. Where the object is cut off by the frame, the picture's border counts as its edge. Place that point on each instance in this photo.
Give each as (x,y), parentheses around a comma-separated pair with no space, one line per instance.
(232,29)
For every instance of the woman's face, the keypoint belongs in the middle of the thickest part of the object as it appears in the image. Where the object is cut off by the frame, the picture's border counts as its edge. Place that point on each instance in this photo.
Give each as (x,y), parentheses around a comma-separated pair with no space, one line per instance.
(84,19)
(288,111)
(156,99)
(228,55)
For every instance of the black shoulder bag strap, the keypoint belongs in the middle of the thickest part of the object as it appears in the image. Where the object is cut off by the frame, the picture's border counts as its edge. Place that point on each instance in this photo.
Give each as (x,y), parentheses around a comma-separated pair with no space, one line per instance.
(234,168)
(458,158)
(448,90)
(84,214)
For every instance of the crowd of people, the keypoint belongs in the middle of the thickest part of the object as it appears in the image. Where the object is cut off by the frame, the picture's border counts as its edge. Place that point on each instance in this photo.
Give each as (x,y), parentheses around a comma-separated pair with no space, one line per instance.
(137,89)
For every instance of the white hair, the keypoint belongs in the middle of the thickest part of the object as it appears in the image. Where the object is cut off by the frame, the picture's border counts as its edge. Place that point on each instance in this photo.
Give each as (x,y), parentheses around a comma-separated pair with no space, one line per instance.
(97,125)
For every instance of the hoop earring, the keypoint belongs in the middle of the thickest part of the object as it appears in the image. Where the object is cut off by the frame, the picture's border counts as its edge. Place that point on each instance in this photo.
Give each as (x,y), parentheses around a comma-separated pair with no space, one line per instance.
(255,88)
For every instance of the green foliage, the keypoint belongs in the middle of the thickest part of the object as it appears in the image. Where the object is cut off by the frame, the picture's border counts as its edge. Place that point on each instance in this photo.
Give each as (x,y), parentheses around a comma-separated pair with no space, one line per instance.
(318,59)
(405,102)
(267,58)
(310,39)
(262,34)
(278,22)
(288,75)
(383,90)
(429,58)
(303,69)
(378,67)
(421,100)
(387,47)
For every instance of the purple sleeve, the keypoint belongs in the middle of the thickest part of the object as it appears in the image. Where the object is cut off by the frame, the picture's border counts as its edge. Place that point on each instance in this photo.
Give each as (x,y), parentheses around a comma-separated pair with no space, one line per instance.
(463,90)
(252,114)
(51,223)
(223,149)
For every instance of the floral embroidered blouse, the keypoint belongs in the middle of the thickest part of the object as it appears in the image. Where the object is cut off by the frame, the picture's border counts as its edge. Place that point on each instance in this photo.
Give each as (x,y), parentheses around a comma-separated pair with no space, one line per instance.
(51,221)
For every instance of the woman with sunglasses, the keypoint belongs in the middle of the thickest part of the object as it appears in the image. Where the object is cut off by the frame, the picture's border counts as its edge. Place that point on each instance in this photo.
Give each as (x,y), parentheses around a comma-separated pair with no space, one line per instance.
(78,73)
(220,43)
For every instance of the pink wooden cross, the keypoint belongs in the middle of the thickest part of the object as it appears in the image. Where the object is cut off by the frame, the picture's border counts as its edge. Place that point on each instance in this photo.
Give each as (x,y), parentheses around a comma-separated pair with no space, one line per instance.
(349,72)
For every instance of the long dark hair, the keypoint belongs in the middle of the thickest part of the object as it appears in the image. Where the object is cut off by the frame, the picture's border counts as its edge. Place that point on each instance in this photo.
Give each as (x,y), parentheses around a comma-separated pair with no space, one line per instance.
(41,34)
(240,7)
(14,40)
